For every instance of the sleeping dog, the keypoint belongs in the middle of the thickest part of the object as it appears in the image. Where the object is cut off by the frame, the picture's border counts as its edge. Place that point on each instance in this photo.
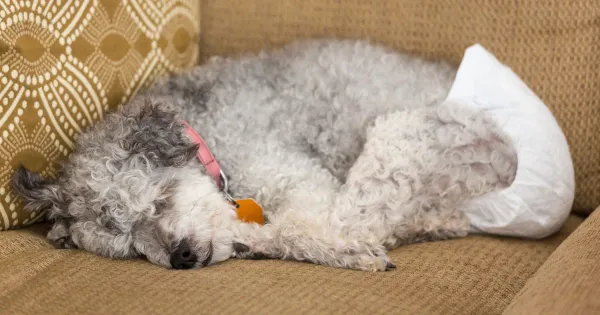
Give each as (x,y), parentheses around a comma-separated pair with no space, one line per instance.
(348,146)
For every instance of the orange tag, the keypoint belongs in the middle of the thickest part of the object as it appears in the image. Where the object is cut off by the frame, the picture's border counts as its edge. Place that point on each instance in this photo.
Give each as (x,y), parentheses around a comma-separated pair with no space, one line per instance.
(250,211)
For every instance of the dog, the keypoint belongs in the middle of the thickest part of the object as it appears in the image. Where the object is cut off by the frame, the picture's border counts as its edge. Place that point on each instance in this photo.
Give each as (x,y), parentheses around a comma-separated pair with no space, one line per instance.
(349,147)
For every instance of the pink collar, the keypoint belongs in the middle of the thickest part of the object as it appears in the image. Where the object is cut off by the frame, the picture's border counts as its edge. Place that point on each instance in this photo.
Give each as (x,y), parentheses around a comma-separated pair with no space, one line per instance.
(204,155)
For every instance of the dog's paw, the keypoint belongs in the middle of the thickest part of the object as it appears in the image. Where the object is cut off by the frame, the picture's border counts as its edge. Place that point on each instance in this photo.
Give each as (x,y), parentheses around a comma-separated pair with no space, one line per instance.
(242,251)
(239,250)
(372,263)
(368,258)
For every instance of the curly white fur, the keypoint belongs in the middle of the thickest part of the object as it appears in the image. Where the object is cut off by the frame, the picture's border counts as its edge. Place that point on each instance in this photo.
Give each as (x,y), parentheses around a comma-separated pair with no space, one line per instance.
(348,147)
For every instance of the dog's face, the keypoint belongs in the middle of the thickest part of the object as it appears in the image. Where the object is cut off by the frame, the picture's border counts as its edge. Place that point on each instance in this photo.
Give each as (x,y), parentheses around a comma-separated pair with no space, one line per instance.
(133,188)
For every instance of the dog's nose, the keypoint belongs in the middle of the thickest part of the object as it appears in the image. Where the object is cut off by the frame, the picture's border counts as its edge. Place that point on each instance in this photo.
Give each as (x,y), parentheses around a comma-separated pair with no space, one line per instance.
(183,258)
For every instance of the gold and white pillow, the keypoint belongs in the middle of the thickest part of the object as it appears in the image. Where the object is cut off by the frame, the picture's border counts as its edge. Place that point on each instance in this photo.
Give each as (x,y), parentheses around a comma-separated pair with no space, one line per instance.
(64,63)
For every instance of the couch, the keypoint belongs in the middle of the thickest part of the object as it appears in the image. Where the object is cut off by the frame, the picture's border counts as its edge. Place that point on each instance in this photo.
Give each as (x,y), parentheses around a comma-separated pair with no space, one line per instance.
(552,45)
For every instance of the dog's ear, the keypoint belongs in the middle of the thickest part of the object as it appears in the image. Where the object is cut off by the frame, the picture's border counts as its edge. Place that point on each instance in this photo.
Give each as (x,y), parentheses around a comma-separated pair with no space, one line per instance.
(39,194)
(158,134)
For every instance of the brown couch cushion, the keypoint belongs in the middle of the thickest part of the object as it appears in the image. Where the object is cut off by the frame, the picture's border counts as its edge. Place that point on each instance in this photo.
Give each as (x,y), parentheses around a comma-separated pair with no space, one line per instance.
(552,45)
(63,64)
(476,275)
(569,281)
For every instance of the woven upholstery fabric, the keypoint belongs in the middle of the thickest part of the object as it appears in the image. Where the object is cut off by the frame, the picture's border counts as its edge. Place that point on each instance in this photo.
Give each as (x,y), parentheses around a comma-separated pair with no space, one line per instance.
(64,63)
(475,275)
(552,45)
(569,281)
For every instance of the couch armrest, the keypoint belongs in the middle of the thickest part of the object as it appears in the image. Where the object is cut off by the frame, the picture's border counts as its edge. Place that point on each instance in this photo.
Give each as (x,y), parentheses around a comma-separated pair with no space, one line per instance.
(569,281)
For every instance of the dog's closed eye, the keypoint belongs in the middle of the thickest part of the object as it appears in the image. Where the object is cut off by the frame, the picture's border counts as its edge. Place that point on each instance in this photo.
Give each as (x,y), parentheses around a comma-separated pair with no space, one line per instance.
(165,199)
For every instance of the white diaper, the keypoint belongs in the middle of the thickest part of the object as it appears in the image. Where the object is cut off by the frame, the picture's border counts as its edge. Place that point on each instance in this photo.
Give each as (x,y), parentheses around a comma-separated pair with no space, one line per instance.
(540,199)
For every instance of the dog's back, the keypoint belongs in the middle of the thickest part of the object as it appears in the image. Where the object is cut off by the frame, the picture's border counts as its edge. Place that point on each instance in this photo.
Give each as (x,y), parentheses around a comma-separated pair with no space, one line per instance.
(314,95)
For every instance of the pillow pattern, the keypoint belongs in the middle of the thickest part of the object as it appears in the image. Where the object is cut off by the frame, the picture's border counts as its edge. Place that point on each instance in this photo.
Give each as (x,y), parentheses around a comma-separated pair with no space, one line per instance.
(63,63)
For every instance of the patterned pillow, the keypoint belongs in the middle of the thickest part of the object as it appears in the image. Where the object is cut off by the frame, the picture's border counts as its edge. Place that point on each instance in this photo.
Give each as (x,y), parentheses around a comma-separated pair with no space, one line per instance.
(63,63)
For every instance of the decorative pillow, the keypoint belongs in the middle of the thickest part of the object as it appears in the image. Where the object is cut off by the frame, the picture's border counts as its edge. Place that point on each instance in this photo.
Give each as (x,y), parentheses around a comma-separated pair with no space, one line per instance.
(64,63)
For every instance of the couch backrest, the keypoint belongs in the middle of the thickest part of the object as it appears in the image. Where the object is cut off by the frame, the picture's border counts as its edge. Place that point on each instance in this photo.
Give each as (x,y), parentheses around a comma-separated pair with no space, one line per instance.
(553,45)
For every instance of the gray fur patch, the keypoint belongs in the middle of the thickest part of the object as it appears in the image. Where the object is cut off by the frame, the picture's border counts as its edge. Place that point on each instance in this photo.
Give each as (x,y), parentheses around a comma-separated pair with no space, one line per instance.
(152,134)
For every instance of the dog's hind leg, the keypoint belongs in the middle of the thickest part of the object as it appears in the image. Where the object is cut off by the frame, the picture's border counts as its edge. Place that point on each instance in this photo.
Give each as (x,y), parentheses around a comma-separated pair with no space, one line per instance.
(417,168)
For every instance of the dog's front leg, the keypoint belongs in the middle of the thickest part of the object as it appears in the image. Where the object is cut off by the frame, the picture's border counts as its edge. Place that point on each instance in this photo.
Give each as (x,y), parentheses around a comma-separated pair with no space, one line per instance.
(311,239)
